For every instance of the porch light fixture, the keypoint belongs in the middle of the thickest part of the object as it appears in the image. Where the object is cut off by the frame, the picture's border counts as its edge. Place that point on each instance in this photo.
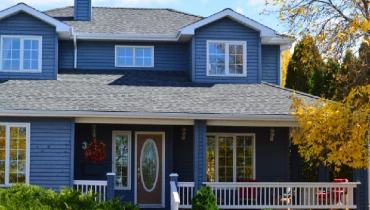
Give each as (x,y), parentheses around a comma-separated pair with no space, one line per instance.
(272,134)
(183,133)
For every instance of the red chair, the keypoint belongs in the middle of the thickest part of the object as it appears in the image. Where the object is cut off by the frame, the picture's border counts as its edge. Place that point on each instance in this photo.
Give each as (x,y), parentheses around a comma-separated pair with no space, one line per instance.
(249,193)
(339,191)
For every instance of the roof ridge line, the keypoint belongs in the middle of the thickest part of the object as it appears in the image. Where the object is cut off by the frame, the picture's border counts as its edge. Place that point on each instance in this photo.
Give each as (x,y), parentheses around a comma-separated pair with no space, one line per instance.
(50,10)
(289,90)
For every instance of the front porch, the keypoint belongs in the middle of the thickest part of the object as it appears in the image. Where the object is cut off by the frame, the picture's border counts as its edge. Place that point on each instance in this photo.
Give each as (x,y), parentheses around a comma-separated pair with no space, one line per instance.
(202,153)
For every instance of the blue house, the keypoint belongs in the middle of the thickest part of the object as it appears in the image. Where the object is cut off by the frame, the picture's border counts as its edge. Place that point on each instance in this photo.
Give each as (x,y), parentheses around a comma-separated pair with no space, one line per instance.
(152,104)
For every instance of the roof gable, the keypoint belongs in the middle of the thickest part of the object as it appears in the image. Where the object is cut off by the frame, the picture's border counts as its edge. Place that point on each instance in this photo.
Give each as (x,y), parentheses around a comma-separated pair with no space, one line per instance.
(60,27)
(264,30)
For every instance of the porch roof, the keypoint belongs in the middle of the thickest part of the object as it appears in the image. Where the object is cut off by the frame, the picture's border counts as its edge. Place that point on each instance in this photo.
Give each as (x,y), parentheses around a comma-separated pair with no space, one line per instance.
(145,92)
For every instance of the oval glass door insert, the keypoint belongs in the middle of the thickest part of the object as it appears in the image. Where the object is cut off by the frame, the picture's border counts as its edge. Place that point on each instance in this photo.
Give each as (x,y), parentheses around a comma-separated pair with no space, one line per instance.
(149,165)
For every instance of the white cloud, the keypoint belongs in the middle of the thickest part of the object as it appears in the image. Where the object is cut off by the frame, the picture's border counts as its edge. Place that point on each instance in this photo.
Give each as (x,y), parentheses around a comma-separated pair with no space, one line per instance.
(204,1)
(239,10)
(38,4)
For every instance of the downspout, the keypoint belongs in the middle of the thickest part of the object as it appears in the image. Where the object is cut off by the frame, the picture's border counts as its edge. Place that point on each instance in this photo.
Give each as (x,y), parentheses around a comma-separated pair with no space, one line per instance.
(75,51)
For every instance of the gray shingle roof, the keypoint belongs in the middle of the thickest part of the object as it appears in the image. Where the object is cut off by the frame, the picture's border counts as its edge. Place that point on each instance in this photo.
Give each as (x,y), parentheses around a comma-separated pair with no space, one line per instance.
(127,20)
(143,91)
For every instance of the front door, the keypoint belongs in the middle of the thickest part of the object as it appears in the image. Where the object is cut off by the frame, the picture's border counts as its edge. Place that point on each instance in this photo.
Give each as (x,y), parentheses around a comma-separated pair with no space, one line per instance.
(149,169)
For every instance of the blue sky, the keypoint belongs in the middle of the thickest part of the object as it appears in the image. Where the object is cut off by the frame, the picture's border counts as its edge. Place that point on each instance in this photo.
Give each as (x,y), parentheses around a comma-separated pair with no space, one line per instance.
(249,8)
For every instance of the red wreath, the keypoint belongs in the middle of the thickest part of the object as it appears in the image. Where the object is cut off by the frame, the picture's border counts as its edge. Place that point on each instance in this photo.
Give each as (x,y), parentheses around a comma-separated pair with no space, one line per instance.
(95,151)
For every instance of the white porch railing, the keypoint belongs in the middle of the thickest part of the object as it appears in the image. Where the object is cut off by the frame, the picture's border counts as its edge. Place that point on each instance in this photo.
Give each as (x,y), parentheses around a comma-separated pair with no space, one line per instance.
(175,199)
(285,195)
(186,193)
(99,187)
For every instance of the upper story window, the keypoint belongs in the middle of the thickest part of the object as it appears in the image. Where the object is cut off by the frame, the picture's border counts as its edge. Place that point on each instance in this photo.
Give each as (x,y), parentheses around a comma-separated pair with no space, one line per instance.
(134,56)
(21,53)
(226,58)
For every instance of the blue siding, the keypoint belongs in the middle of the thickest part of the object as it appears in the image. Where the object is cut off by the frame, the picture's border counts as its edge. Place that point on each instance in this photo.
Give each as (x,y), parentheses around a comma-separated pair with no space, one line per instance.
(190,58)
(271,63)
(362,198)
(24,24)
(82,10)
(66,55)
(226,29)
(51,151)
(183,154)
(104,133)
(101,55)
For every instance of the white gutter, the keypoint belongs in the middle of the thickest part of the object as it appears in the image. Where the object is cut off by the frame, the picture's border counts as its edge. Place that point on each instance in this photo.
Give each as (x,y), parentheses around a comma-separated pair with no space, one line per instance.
(146,115)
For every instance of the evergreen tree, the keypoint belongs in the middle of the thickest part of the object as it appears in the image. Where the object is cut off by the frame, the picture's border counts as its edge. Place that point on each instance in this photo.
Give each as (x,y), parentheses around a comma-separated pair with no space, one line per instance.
(330,84)
(305,70)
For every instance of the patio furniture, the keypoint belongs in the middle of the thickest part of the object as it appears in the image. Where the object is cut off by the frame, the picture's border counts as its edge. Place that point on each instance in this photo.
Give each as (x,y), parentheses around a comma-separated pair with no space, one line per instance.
(248,194)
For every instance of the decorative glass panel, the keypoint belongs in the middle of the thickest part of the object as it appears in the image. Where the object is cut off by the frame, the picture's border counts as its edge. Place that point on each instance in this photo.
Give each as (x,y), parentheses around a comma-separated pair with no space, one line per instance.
(225,159)
(122,160)
(244,157)
(149,165)
(11,54)
(211,148)
(216,59)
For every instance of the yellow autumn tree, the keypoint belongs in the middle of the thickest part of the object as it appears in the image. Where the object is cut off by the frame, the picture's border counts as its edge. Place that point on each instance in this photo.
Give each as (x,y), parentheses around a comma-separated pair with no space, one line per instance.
(286,56)
(335,25)
(336,133)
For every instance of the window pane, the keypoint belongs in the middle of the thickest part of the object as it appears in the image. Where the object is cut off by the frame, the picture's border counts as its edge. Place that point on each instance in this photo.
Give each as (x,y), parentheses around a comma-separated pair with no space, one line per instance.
(236,59)
(225,159)
(16,44)
(216,59)
(27,44)
(139,61)
(35,64)
(15,65)
(27,54)
(122,160)
(244,157)
(143,57)
(139,52)
(211,146)
(148,53)
(125,56)
(17,159)
(11,54)
(35,44)
(27,64)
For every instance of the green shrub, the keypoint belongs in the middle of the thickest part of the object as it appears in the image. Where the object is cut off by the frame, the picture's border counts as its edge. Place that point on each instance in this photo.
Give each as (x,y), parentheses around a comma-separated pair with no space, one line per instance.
(21,197)
(204,200)
(130,206)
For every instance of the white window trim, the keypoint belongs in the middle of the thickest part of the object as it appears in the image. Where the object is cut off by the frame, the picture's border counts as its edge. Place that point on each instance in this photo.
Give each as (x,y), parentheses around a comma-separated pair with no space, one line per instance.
(22,38)
(114,133)
(234,135)
(134,56)
(227,43)
(7,150)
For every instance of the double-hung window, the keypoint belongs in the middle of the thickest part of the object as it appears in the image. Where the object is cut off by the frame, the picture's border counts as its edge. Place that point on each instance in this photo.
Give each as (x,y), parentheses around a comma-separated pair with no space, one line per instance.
(122,159)
(230,157)
(134,56)
(226,58)
(21,54)
(14,153)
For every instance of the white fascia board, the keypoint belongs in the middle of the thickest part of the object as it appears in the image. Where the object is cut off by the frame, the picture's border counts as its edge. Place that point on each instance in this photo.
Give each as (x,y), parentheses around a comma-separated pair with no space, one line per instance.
(60,27)
(145,115)
(264,31)
(138,37)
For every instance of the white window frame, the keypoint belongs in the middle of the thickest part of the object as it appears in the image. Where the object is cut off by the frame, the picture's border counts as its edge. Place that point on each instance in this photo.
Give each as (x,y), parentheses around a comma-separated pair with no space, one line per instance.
(234,135)
(22,38)
(227,43)
(114,133)
(134,56)
(7,150)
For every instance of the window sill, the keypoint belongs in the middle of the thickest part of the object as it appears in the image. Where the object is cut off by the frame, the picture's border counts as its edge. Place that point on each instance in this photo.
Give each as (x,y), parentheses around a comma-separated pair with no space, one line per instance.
(226,75)
(134,66)
(11,71)
(122,188)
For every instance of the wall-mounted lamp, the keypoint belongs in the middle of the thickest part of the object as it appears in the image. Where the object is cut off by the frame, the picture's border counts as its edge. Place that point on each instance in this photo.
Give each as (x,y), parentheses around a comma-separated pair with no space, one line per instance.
(183,133)
(272,134)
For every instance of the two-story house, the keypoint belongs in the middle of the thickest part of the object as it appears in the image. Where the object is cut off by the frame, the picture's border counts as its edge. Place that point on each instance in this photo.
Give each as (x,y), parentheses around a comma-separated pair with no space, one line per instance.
(162,92)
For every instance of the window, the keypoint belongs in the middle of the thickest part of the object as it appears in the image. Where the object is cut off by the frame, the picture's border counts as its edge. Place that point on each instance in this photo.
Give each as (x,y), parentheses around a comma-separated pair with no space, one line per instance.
(230,157)
(134,56)
(21,54)
(122,159)
(14,153)
(226,58)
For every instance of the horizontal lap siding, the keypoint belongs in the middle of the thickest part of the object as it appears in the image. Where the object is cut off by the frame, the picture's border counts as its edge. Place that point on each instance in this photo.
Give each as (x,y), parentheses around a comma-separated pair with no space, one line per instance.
(270,63)
(24,24)
(82,10)
(226,29)
(51,151)
(101,55)
(66,55)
